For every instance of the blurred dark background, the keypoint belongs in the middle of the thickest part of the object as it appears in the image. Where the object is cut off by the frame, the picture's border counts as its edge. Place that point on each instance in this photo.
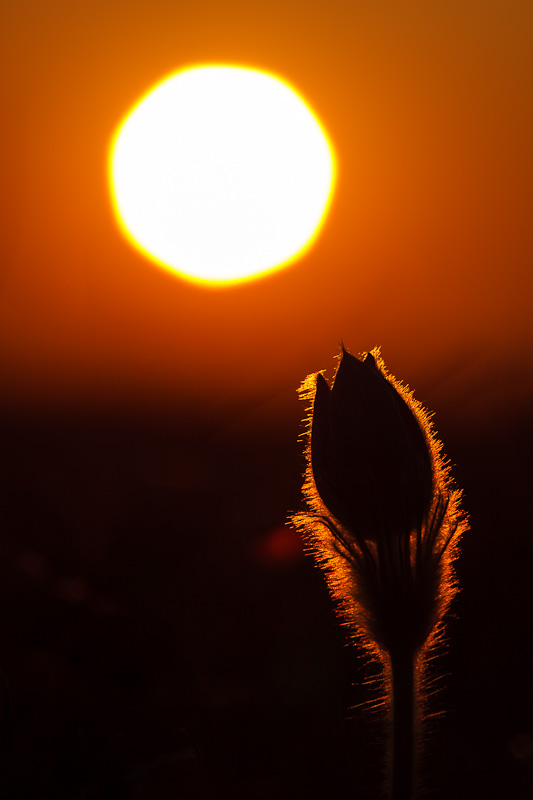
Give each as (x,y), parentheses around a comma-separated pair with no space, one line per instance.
(163,634)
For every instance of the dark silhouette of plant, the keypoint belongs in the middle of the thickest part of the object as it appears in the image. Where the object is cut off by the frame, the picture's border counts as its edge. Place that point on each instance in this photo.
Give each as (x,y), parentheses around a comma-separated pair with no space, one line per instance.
(384,522)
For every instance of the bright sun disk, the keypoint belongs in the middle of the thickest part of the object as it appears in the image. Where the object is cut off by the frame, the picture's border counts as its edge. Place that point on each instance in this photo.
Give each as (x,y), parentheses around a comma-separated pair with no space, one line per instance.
(221,173)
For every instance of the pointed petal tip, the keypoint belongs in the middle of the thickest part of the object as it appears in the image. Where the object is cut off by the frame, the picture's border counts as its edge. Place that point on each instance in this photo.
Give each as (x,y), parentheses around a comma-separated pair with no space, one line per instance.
(370,358)
(321,383)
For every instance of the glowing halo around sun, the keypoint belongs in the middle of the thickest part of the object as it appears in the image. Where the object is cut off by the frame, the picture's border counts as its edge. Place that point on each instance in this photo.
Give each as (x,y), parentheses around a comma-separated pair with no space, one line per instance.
(221,173)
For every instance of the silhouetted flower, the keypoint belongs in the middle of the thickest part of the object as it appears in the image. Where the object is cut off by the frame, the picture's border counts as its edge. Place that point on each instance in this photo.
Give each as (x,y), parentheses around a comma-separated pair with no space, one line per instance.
(371,461)
(384,523)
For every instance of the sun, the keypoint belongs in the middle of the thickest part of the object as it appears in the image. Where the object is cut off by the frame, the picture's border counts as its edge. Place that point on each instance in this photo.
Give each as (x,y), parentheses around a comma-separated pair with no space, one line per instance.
(221,173)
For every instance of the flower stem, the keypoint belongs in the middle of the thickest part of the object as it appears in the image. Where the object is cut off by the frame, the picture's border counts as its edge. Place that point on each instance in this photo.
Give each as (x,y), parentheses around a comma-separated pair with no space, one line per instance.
(403,725)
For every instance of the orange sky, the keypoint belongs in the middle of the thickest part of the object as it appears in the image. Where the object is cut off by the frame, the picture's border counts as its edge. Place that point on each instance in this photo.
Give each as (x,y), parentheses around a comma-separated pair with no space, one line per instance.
(426,251)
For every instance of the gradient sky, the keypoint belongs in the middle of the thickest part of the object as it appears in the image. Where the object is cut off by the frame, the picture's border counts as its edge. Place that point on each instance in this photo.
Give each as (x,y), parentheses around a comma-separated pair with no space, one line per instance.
(426,251)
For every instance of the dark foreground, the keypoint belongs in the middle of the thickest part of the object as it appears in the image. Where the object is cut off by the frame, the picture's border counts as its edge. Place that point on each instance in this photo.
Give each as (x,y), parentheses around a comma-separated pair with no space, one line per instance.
(162,634)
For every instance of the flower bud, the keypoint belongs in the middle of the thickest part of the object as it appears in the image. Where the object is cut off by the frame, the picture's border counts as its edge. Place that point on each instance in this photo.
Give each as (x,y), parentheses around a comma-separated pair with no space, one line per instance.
(371,461)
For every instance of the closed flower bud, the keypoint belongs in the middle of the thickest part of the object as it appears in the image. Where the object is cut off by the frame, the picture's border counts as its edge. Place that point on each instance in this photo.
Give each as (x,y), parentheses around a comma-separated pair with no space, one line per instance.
(371,461)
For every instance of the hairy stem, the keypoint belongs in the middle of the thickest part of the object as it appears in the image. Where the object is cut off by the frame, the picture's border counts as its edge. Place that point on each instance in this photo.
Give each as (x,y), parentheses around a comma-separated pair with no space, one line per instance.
(403,724)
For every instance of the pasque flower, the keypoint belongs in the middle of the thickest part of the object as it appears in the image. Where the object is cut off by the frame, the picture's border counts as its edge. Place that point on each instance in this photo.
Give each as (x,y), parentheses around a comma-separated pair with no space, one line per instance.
(384,522)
